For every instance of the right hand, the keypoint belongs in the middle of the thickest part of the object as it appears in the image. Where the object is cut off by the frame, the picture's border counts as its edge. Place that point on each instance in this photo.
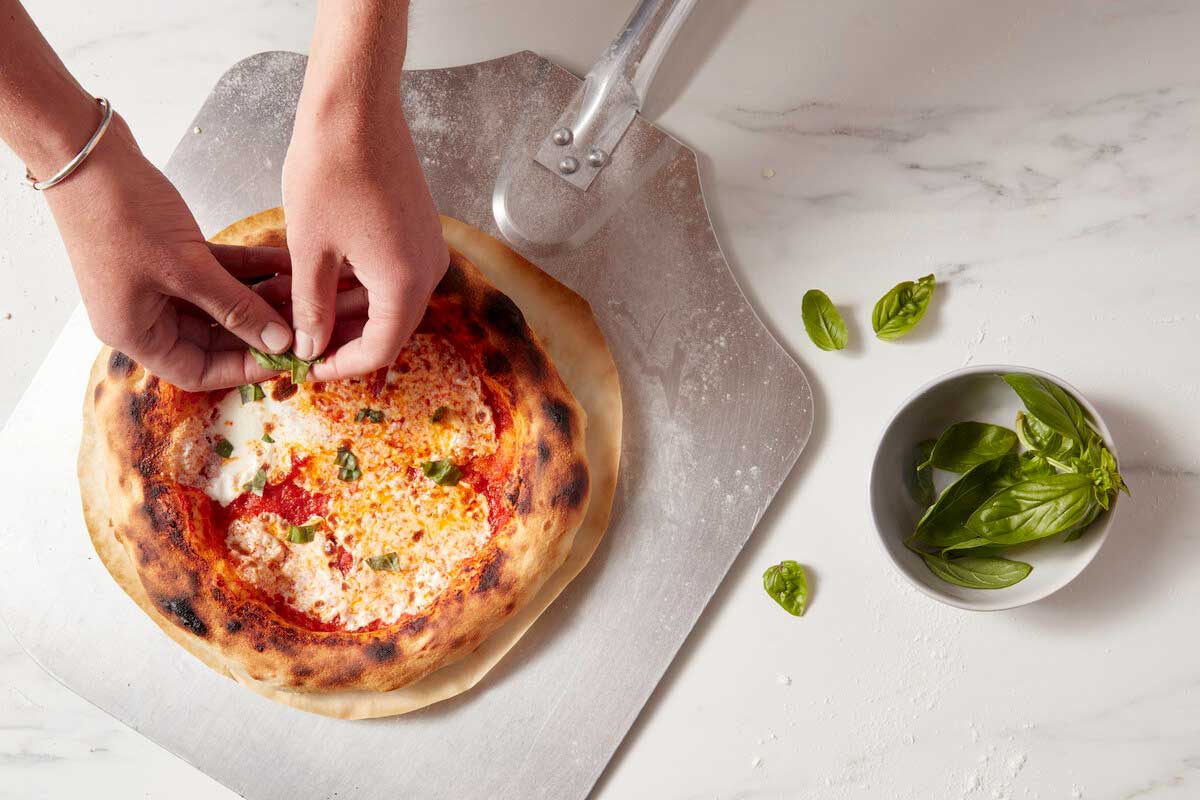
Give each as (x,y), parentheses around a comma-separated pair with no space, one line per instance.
(153,287)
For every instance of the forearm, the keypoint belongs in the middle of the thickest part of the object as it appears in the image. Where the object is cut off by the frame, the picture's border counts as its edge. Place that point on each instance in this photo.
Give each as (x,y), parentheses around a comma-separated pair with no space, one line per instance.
(45,115)
(357,54)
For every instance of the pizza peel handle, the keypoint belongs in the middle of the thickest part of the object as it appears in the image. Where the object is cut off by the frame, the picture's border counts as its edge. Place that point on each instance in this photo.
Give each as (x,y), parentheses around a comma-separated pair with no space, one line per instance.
(559,185)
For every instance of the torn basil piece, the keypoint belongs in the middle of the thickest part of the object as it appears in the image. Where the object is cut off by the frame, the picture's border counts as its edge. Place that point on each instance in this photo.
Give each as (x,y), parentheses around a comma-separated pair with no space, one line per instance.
(285,362)
(257,483)
(372,414)
(443,472)
(348,464)
(439,414)
(223,447)
(251,393)
(267,438)
(389,562)
(302,534)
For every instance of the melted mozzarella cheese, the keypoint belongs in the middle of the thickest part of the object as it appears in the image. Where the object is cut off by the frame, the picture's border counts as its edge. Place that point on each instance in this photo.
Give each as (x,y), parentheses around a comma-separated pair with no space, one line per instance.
(391,508)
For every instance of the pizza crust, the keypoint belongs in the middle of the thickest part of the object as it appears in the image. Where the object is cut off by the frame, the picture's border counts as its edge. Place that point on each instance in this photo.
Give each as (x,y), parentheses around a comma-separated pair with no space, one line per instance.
(564,323)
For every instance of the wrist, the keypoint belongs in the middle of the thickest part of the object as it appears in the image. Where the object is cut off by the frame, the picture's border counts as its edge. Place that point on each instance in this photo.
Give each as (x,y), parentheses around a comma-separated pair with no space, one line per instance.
(357,56)
(58,131)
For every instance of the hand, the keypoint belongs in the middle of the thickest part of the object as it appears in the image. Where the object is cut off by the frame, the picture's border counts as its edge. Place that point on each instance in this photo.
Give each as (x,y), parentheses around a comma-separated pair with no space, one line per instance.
(356,201)
(153,287)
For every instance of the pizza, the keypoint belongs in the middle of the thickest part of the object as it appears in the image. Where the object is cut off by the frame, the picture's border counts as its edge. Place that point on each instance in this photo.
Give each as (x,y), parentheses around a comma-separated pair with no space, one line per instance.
(352,538)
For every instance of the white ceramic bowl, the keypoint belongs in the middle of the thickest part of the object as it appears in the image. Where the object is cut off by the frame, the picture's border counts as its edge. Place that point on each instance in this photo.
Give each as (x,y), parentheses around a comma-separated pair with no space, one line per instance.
(970,393)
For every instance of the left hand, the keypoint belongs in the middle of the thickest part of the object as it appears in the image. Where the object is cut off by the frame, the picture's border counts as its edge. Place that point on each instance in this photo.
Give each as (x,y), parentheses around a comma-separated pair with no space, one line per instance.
(356,201)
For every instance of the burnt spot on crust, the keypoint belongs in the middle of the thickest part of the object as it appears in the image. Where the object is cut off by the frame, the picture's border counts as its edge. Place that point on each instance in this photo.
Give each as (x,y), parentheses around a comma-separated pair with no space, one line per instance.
(415,625)
(572,491)
(559,415)
(98,392)
(283,388)
(519,497)
(260,646)
(145,553)
(162,520)
(489,576)
(454,279)
(496,364)
(181,609)
(503,315)
(303,671)
(141,404)
(381,651)
(120,365)
(233,626)
(543,448)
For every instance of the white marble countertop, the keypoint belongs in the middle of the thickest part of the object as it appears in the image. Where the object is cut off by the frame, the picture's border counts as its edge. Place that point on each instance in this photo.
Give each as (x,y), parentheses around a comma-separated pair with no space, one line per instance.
(1039,157)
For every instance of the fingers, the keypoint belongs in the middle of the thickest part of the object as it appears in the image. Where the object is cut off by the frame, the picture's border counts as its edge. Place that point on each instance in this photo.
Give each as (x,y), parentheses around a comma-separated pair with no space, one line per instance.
(251,262)
(314,290)
(238,309)
(386,330)
(170,349)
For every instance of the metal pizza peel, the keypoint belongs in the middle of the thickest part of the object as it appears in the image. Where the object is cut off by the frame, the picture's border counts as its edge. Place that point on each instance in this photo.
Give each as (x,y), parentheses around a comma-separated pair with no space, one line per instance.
(716,414)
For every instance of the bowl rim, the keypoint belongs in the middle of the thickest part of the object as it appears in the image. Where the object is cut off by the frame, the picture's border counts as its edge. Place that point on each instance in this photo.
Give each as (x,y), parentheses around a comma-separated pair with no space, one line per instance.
(998,604)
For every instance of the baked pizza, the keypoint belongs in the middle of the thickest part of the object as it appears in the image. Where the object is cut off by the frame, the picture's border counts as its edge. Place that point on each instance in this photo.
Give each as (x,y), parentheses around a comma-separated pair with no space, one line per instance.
(351,536)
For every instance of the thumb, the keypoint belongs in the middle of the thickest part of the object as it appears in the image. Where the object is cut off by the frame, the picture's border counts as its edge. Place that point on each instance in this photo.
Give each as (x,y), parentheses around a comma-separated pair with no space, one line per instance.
(238,309)
(314,299)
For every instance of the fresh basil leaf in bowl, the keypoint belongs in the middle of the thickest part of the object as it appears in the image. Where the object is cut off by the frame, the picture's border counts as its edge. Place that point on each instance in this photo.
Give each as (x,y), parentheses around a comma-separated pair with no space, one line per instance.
(1051,405)
(923,491)
(899,311)
(1034,509)
(824,324)
(967,444)
(976,572)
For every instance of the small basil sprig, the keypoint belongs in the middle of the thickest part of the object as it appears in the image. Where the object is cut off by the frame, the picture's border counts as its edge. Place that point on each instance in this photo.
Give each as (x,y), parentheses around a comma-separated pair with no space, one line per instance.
(979,572)
(285,362)
(967,444)
(787,583)
(824,324)
(899,311)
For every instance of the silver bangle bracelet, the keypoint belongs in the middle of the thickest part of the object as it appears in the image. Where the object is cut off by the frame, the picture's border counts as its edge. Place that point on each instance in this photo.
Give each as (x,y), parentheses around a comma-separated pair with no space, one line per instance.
(74,163)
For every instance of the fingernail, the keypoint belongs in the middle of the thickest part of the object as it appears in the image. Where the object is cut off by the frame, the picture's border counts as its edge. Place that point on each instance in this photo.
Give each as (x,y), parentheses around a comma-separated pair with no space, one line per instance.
(304,345)
(276,337)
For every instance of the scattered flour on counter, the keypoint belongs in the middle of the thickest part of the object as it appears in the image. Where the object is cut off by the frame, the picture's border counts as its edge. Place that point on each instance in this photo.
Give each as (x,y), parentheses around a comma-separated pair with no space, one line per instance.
(1016,763)
(756,762)
(1076,793)
(784,680)
(768,173)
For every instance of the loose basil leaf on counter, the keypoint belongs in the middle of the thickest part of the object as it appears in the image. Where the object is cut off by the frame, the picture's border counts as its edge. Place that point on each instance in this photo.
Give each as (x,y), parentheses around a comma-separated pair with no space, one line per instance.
(302,534)
(975,572)
(257,483)
(899,311)
(787,583)
(251,392)
(439,414)
(1050,404)
(822,321)
(967,444)
(1034,509)
(943,524)
(389,562)
(923,491)
(223,447)
(443,472)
